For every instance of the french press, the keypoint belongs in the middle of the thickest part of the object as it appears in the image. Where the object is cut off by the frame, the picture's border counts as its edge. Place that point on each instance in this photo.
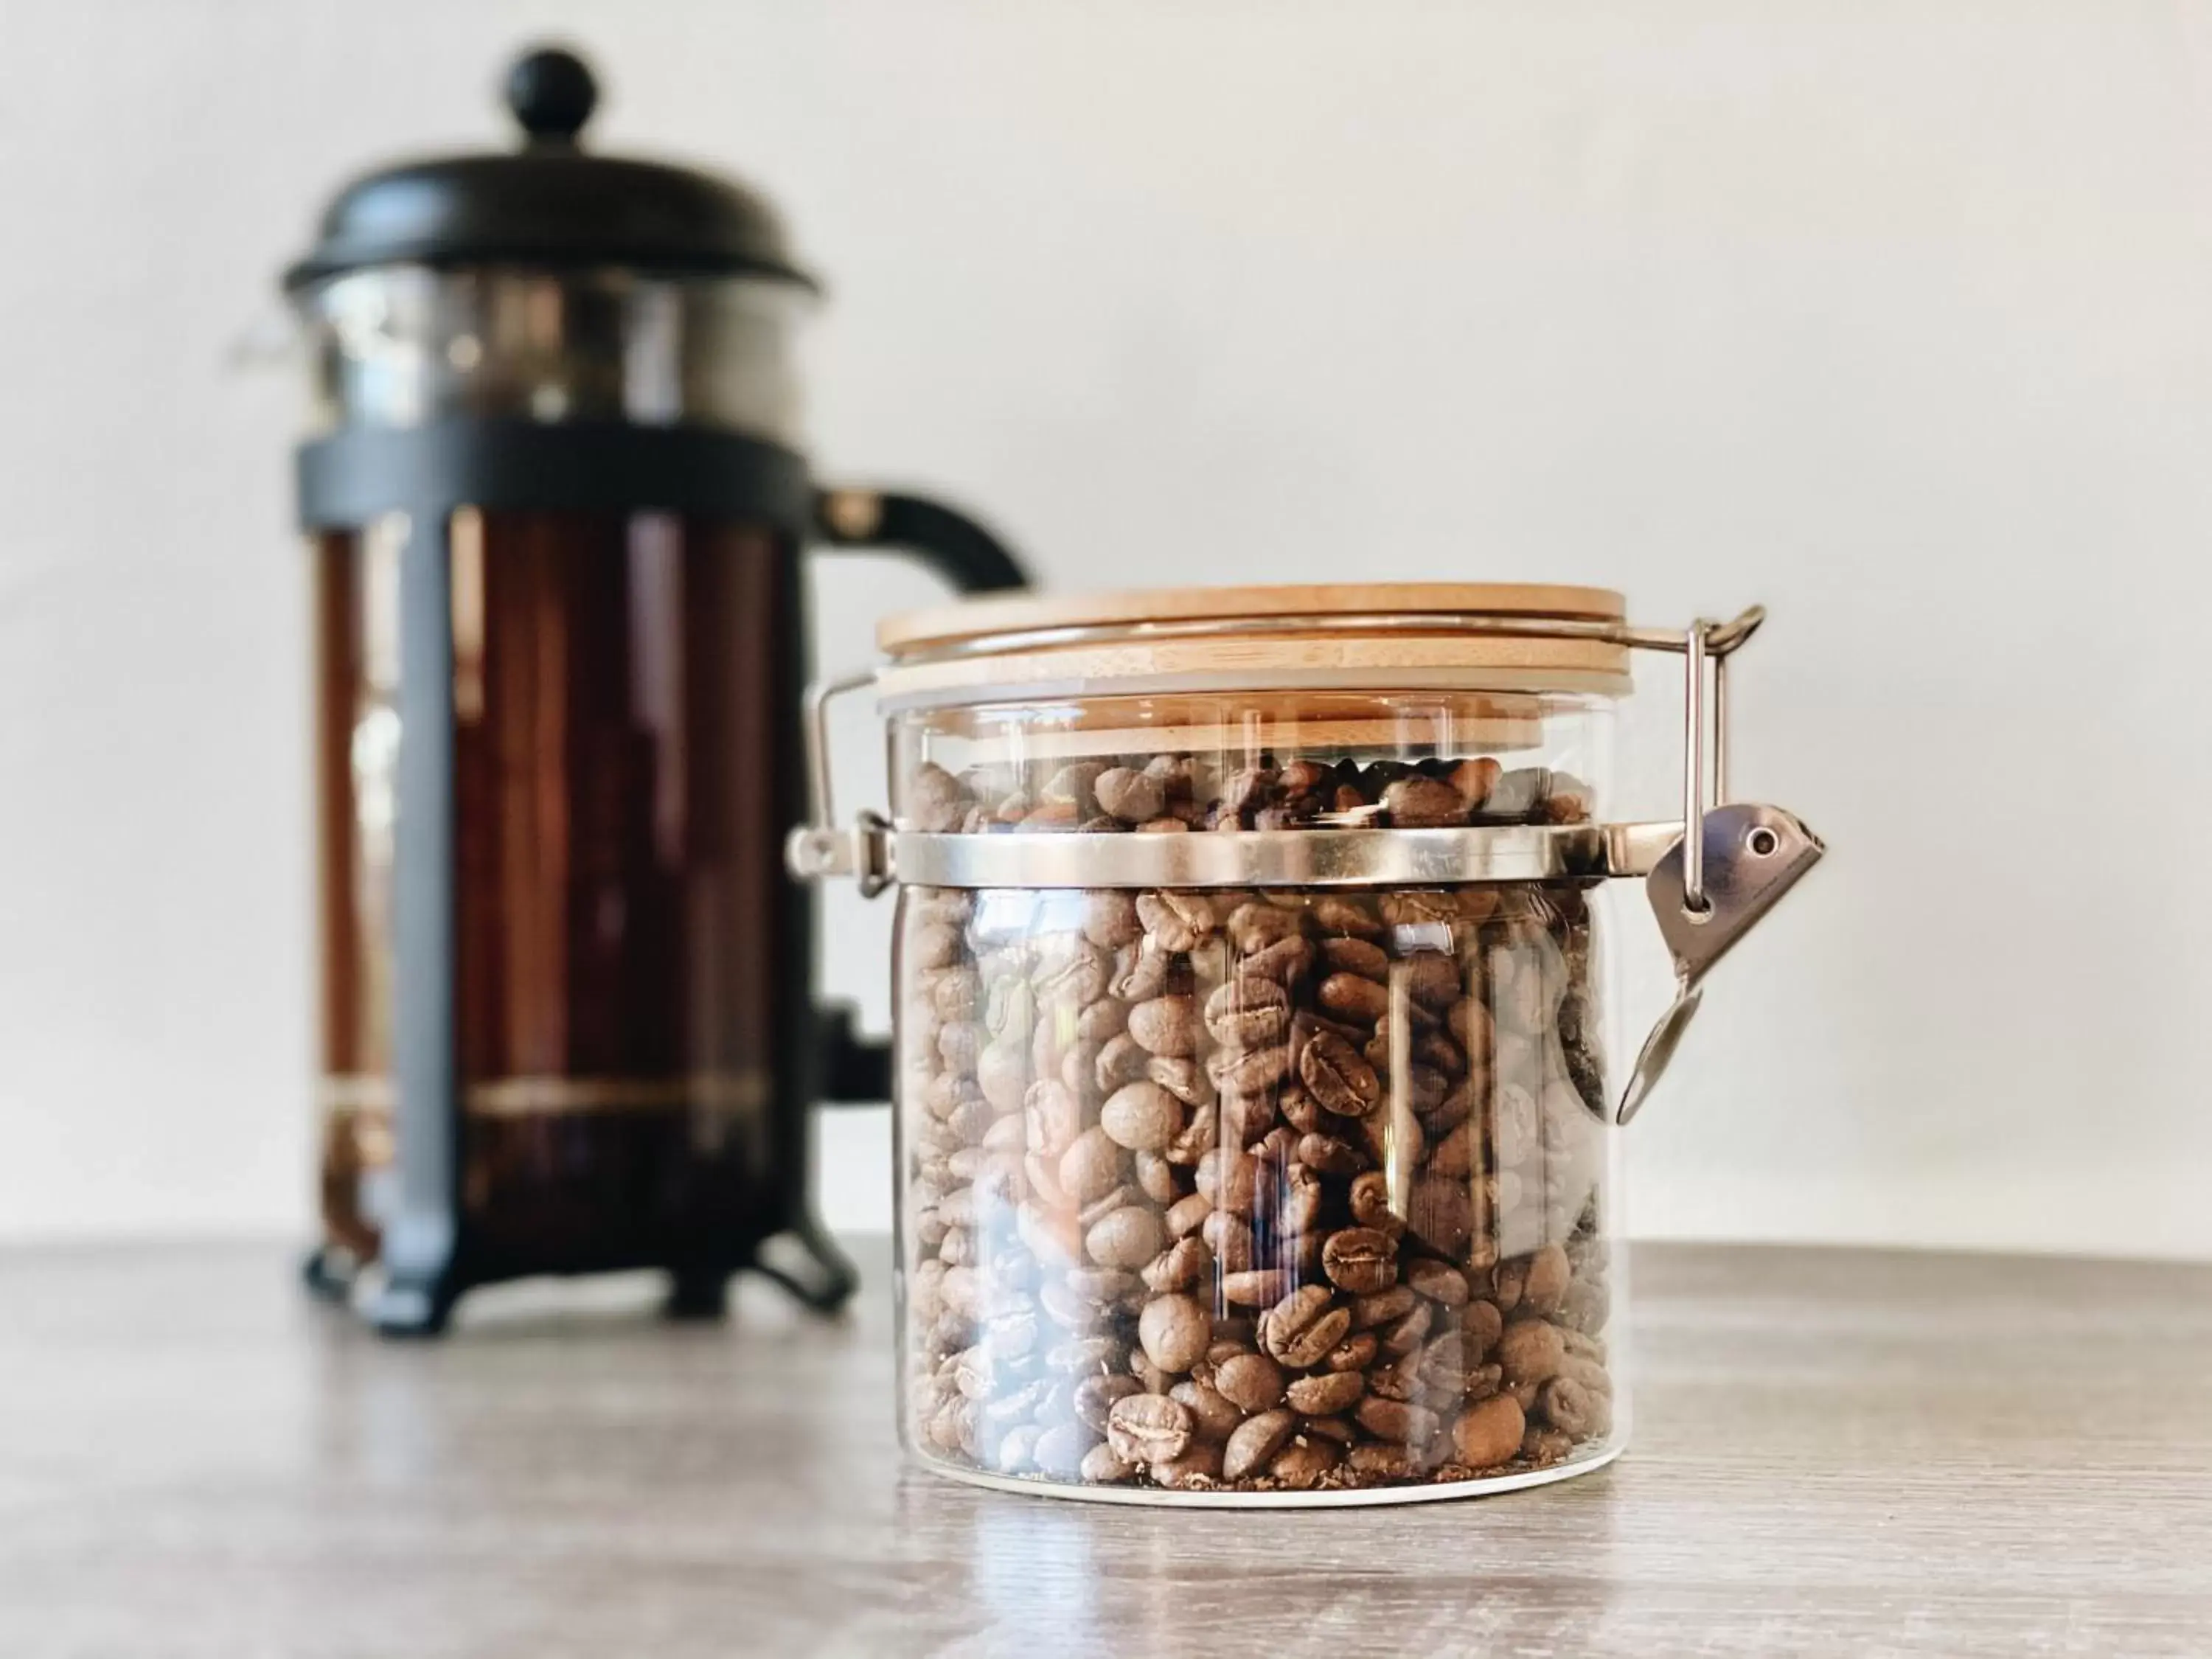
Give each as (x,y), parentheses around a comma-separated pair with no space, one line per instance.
(557,497)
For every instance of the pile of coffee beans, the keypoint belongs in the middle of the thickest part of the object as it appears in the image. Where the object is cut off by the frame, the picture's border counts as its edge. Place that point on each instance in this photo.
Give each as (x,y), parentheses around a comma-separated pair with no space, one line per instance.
(1256,1191)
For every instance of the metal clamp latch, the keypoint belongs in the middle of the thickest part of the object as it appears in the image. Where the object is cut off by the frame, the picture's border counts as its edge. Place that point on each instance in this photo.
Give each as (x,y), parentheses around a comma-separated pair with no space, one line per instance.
(819,848)
(1709,877)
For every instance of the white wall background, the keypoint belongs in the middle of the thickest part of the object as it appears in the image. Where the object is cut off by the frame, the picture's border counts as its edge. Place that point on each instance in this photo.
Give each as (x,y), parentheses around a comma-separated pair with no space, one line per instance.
(1895,316)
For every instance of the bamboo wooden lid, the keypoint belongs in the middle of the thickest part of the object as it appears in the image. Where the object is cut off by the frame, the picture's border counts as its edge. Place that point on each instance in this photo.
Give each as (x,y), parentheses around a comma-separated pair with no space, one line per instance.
(1375,636)
(918,631)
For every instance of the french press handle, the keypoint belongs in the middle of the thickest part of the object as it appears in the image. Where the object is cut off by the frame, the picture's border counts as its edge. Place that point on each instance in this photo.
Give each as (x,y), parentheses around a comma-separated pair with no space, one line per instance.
(951,543)
(856,1070)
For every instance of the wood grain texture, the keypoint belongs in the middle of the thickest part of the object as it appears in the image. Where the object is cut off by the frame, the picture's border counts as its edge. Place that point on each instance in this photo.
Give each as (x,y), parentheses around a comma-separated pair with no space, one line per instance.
(1835,1452)
(1020,612)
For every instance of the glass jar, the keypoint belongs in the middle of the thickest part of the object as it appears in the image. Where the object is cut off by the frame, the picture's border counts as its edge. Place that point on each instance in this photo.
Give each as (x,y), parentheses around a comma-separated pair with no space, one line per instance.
(1257,1085)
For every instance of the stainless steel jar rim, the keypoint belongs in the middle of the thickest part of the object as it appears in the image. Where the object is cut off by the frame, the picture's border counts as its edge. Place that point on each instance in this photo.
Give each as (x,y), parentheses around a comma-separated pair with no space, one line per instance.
(1268,858)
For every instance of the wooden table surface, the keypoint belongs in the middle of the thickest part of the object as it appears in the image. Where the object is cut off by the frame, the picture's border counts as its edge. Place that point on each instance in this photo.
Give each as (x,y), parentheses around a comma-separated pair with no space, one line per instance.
(1834,1452)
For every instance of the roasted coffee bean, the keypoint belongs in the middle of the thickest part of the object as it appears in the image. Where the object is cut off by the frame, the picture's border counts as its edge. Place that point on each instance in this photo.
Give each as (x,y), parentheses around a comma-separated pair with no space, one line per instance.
(1211,1418)
(1383,1306)
(1002,1074)
(1530,1352)
(1337,1431)
(1142,971)
(1175,1330)
(1184,1265)
(1443,1365)
(1357,957)
(1300,1201)
(1256,1288)
(1302,1464)
(1059,1450)
(1570,1407)
(1142,1116)
(1247,1071)
(1230,1237)
(1544,1447)
(1177,923)
(1148,1428)
(1334,914)
(1121,1060)
(1355,1353)
(1229,1341)
(1304,1325)
(1073,786)
(1254,925)
(1182,1077)
(1129,1236)
(1405,1334)
(1439,1280)
(1155,1380)
(933,944)
(1326,1393)
(1199,1133)
(1545,1280)
(1419,908)
(1395,1420)
(1489,1433)
(1423,803)
(1197,1469)
(1474,779)
(1336,1076)
(1187,1215)
(935,800)
(1454,1154)
(1092,1167)
(1098,1021)
(1130,795)
(1296,1109)
(1283,962)
(1254,1442)
(1431,979)
(1103,1465)
(1248,1012)
(1052,1116)
(1351,997)
(1371,1206)
(1109,919)
(1085,1355)
(1155,1177)
(1084,976)
(1441,1214)
(1360,1259)
(1469,1021)
(1100,1207)
(1017,1449)
(1330,1156)
(1252,1381)
(1397,1378)
(1481,1324)
(1229,1176)
(1421,1089)
(1246,1118)
(1166,1025)
(1384,1460)
(1508,1280)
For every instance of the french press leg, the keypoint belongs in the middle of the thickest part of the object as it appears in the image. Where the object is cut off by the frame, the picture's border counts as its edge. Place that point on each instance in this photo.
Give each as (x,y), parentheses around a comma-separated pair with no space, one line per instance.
(420,1251)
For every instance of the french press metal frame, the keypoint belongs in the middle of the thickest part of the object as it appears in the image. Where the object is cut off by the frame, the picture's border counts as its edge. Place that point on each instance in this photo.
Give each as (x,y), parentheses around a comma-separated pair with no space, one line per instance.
(1709,877)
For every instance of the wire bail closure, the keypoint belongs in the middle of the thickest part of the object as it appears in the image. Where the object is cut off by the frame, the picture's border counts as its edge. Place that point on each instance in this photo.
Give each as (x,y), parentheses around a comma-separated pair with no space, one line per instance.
(1709,877)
